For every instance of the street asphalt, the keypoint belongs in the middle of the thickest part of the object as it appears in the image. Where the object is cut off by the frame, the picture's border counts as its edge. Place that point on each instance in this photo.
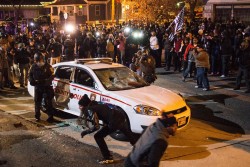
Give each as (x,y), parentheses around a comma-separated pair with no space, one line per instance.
(218,133)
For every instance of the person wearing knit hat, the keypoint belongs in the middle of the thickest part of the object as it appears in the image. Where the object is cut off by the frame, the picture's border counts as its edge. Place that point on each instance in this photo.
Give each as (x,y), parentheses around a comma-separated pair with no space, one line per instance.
(84,101)
(112,119)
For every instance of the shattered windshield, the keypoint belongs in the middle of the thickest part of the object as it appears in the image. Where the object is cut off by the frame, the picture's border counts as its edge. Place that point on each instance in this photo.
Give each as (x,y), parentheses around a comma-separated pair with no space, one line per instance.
(121,78)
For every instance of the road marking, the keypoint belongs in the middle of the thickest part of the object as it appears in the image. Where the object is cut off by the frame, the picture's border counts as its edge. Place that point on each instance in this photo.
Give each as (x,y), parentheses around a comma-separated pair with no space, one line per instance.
(16,98)
(18,112)
(203,102)
(26,104)
(241,90)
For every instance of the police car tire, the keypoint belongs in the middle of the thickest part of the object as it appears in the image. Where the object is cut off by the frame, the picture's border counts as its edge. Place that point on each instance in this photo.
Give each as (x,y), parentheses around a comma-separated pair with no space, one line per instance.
(118,135)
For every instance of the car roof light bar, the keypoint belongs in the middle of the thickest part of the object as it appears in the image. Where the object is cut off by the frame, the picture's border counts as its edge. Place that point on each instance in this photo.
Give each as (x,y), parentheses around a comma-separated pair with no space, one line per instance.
(106,60)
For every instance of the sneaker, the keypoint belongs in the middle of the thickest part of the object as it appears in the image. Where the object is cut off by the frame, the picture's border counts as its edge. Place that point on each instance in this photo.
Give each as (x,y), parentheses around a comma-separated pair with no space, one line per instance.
(196,87)
(38,119)
(222,76)
(205,89)
(106,161)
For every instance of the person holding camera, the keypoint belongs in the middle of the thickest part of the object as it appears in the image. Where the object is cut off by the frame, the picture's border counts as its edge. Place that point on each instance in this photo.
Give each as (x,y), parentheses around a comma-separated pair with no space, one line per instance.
(153,143)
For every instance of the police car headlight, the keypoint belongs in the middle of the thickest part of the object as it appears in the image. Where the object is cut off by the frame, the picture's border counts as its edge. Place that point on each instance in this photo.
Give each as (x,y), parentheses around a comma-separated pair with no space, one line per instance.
(147,110)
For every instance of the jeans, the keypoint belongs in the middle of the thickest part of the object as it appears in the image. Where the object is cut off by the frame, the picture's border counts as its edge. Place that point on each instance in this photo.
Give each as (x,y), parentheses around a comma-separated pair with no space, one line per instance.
(202,79)
(215,64)
(246,73)
(122,57)
(168,59)
(189,69)
(54,60)
(106,130)
(24,69)
(157,56)
(39,91)
(225,64)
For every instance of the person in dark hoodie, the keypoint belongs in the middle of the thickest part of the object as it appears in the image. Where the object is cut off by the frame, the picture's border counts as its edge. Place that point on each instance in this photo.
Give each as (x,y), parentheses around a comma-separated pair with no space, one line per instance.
(244,63)
(113,120)
(150,147)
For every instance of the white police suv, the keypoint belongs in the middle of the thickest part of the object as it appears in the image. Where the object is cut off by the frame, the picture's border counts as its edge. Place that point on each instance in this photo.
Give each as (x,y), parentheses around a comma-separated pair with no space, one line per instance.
(117,86)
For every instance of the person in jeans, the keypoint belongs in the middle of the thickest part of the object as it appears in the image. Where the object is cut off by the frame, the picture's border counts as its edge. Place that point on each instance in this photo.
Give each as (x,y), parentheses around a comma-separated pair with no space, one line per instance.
(188,56)
(202,66)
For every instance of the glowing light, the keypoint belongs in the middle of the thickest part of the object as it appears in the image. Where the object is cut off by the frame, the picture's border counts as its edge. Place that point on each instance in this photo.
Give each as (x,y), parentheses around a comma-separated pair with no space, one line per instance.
(97,34)
(69,28)
(127,30)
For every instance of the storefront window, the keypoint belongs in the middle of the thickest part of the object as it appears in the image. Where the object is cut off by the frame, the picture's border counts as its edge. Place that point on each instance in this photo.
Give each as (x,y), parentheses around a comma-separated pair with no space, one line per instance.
(223,13)
(70,10)
(97,10)
(242,14)
(55,11)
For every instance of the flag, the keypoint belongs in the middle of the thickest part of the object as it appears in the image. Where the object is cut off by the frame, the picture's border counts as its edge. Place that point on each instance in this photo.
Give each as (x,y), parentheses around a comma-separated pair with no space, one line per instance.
(176,25)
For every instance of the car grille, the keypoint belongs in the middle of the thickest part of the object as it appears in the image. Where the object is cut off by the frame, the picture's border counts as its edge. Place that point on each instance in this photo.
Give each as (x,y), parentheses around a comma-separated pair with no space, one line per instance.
(178,111)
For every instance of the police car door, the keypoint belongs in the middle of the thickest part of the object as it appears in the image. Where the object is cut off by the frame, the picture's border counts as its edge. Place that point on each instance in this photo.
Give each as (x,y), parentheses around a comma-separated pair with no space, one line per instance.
(61,85)
(83,83)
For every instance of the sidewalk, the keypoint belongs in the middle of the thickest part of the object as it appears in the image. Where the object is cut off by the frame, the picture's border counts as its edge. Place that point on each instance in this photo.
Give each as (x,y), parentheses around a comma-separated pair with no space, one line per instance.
(234,153)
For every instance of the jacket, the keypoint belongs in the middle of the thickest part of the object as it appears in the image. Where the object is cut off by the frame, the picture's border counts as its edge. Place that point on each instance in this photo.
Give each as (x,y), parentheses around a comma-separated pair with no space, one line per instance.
(202,59)
(155,132)
(22,57)
(41,75)
(112,118)
(244,57)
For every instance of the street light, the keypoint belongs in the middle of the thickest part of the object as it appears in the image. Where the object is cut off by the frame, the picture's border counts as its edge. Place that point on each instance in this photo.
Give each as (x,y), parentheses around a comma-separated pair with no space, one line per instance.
(179,3)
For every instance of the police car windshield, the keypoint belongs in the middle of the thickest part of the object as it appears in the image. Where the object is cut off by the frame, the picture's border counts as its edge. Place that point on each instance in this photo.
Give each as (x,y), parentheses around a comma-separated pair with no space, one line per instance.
(121,78)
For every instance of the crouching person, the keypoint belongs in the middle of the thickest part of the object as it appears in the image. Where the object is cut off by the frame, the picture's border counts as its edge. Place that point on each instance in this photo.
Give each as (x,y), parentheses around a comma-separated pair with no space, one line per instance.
(152,144)
(113,120)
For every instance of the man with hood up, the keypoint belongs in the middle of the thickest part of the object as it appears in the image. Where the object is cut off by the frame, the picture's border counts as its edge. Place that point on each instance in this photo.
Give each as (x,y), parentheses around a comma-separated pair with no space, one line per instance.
(113,120)
(152,144)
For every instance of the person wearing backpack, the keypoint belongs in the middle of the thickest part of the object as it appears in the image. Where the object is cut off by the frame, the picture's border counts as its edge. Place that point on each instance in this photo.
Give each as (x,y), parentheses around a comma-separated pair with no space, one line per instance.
(40,76)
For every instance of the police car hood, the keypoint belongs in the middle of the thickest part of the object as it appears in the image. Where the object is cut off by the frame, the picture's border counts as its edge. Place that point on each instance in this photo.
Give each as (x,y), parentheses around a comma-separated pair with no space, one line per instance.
(154,96)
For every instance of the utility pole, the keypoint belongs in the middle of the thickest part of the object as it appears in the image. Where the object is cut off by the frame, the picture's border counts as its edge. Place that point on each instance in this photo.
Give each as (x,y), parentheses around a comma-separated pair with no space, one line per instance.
(113,11)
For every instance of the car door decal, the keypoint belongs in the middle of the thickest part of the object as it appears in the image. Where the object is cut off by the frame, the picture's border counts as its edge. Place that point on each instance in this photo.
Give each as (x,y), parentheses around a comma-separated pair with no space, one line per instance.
(94,92)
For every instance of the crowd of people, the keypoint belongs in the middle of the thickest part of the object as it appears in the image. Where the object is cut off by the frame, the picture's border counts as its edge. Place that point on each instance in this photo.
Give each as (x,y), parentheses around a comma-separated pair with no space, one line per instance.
(199,49)
(222,42)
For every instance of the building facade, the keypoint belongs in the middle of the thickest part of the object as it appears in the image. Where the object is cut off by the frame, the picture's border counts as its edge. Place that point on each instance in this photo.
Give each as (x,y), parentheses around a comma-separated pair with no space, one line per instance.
(27,9)
(227,9)
(81,11)
(78,11)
